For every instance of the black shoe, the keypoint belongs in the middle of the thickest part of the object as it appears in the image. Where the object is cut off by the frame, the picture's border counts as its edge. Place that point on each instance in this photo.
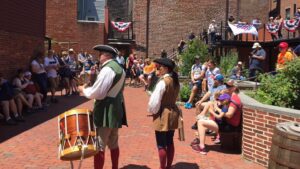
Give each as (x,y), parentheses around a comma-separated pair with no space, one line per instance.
(195,126)
(20,119)
(10,122)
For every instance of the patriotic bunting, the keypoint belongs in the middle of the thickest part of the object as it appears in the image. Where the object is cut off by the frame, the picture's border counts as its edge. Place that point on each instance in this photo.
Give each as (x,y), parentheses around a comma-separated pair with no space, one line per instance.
(272,28)
(291,25)
(120,26)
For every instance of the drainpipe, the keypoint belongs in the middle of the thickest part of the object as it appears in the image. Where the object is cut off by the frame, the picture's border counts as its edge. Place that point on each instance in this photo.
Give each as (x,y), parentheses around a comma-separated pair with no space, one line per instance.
(147,28)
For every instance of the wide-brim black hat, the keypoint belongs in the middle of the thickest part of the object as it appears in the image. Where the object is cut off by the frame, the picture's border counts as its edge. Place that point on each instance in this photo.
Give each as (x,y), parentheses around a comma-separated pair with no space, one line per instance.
(106,48)
(165,62)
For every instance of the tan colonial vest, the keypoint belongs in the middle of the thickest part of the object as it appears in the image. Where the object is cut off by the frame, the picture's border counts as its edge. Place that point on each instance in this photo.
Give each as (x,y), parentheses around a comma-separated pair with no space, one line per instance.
(168,116)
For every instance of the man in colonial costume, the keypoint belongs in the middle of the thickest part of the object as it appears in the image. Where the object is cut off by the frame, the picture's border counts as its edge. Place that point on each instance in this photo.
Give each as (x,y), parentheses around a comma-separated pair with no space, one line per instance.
(109,110)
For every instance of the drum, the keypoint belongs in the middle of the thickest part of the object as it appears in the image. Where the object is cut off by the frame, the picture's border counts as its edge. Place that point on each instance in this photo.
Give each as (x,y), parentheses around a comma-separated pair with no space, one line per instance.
(77,135)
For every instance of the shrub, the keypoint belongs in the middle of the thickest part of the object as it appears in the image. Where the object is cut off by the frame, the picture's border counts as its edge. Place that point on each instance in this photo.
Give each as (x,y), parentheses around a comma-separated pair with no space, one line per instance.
(185,92)
(227,63)
(283,89)
(195,47)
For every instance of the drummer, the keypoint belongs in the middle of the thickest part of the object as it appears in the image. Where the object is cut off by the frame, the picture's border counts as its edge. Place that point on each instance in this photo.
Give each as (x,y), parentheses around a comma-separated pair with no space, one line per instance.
(109,110)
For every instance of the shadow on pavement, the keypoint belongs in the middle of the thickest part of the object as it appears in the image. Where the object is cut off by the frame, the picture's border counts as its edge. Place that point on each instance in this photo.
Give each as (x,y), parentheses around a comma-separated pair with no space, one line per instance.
(34,119)
(184,165)
(218,148)
(133,166)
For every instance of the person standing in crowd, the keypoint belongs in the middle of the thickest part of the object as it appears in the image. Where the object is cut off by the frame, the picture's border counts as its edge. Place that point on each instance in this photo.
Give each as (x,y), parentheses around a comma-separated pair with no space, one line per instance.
(212,30)
(129,64)
(237,72)
(279,20)
(51,66)
(191,35)
(166,115)
(284,55)
(297,16)
(109,109)
(181,46)
(39,74)
(231,20)
(148,73)
(296,51)
(163,53)
(256,59)
(197,75)
(204,36)
(120,59)
(271,22)
(82,57)
(256,23)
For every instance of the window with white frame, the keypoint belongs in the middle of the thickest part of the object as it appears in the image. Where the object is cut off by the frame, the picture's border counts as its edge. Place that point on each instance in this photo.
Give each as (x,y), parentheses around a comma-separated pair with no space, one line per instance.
(90,10)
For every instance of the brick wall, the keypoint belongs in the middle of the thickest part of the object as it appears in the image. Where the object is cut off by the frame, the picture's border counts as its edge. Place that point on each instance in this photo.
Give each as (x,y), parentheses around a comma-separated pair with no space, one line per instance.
(62,26)
(258,126)
(16,50)
(171,21)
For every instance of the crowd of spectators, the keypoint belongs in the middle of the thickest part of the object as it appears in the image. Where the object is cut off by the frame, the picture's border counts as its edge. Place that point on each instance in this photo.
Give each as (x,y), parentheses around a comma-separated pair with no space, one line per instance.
(48,72)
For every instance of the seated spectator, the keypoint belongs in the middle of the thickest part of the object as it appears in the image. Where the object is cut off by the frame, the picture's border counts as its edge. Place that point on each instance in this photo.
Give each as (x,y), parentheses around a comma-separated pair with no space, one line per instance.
(8,103)
(231,122)
(32,91)
(237,72)
(197,74)
(19,83)
(211,72)
(148,72)
(284,55)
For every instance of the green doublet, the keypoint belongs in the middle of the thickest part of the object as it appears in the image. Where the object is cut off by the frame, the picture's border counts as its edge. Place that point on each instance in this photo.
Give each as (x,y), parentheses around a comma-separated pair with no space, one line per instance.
(110,112)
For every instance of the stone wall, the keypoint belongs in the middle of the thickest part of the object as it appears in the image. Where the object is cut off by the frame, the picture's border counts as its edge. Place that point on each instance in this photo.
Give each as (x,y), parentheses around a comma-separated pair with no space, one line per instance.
(259,121)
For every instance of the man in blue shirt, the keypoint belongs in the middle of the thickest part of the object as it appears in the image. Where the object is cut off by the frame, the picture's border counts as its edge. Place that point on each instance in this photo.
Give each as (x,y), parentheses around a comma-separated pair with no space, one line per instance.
(258,55)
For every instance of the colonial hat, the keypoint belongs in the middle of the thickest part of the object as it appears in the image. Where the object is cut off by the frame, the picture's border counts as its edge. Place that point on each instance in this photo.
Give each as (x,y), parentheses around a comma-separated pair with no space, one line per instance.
(255,45)
(165,62)
(106,48)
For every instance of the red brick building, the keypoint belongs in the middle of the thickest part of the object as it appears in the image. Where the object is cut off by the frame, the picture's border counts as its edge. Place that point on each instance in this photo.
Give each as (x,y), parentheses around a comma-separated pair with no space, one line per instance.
(22,32)
(70,24)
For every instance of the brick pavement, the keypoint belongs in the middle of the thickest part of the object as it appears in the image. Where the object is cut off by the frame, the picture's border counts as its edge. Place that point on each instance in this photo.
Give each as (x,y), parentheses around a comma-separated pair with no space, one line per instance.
(36,148)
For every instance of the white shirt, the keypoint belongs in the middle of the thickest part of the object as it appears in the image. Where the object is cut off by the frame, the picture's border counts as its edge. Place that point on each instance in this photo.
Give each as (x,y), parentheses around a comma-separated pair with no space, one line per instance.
(210,74)
(155,99)
(102,85)
(197,69)
(51,72)
(40,67)
(120,60)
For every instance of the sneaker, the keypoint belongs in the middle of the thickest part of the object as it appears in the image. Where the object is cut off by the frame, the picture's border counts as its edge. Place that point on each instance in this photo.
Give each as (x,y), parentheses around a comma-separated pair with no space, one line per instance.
(10,122)
(20,119)
(195,126)
(217,141)
(196,141)
(198,149)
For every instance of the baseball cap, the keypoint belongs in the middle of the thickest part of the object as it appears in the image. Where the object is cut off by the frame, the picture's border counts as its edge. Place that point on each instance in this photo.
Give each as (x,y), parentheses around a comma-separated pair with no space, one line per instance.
(219,77)
(224,97)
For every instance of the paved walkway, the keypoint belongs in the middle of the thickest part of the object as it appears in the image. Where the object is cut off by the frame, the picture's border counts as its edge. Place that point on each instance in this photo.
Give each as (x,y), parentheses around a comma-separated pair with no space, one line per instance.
(33,145)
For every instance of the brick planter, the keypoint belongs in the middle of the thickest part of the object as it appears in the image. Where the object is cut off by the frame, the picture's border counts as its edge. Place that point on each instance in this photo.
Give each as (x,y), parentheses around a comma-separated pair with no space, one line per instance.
(259,122)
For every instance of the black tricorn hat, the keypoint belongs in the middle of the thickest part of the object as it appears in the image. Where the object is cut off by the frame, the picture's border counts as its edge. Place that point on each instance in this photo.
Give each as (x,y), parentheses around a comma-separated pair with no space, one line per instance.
(165,62)
(106,48)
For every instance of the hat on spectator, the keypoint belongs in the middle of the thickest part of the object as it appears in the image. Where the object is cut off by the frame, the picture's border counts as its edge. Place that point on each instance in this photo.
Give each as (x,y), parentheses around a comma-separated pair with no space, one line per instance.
(283,45)
(230,83)
(197,57)
(27,73)
(240,63)
(213,20)
(224,96)
(255,45)
(165,62)
(219,77)
(71,50)
(106,48)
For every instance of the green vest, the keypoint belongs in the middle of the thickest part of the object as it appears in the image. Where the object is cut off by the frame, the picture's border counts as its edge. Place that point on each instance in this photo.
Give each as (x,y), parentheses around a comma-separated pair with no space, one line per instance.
(110,112)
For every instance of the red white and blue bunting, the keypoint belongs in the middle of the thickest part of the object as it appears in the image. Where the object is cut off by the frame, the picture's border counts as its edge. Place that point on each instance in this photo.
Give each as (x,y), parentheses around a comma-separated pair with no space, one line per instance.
(291,25)
(120,26)
(272,28)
